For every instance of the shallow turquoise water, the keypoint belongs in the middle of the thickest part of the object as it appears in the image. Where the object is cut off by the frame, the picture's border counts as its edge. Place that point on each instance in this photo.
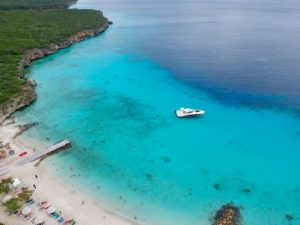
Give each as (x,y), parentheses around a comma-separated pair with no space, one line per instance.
(114,97)
(130,151)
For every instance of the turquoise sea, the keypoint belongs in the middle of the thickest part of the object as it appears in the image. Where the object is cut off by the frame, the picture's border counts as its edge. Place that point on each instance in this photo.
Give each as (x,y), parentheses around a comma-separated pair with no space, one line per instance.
(114,97)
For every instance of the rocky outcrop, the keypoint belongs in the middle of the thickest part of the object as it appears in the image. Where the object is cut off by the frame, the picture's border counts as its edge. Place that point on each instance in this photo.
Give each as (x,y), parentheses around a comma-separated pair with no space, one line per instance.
(28,93)
(227,215)
(25,127)
(33,54)
(28,96)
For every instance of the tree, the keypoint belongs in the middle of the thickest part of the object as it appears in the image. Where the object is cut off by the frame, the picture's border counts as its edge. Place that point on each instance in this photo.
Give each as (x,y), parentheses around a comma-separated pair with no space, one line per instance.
(12,205)
(5,185)
(25,195)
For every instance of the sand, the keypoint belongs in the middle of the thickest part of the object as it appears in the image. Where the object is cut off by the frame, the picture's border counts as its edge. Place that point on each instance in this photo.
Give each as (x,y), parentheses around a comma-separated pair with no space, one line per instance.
(72,205)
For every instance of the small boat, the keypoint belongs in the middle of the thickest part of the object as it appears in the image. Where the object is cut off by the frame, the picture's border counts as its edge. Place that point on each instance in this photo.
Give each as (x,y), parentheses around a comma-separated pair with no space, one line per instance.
(187,112)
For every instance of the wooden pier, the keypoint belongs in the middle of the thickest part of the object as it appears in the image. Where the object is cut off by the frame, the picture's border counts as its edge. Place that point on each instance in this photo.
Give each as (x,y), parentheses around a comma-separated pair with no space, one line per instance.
(37,155)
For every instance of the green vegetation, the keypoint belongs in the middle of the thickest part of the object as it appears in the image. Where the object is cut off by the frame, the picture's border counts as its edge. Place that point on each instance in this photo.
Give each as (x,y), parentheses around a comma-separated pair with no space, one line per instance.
(15,204)
(25,195)
(12,205)
(35,4)
(26,29)
(5,185)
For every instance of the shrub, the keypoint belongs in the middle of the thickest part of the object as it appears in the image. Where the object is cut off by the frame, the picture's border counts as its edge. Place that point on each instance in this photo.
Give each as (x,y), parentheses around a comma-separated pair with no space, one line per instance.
(5,185)
(25,195)
(12,205)
(26,29)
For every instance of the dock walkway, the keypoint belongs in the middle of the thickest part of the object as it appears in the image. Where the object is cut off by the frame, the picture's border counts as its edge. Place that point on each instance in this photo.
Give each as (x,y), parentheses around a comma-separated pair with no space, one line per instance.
(37,155)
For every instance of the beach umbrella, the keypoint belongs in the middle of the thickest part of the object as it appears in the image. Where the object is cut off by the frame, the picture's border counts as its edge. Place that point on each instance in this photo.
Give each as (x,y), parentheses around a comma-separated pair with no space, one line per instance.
(51,210)
(26,211)
(6,198)
(39,220)
(16,182)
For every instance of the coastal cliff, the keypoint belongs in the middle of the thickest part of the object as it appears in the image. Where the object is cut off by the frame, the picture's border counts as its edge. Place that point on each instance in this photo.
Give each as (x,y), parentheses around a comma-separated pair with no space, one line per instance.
(28,91)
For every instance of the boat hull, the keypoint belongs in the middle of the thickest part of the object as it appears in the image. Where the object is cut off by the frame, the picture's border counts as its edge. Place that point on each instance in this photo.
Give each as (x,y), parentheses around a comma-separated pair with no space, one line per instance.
(180,114)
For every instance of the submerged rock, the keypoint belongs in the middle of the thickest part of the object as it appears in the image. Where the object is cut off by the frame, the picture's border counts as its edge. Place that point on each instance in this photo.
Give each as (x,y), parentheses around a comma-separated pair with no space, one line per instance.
(149,176)
(217,186)
(247,191)
(227,215)
(25,127)
(289,217)
(165,159)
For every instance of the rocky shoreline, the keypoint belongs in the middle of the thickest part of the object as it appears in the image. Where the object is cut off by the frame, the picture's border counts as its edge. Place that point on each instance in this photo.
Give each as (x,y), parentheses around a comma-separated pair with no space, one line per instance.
(29,94)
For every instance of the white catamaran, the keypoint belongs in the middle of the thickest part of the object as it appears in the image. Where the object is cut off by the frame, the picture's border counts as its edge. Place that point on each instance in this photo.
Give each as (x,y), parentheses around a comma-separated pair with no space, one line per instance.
(187,112)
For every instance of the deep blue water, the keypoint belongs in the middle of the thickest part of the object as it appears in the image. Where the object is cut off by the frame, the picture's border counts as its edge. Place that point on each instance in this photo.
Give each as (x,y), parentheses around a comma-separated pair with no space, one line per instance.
(114,97)
(242,52)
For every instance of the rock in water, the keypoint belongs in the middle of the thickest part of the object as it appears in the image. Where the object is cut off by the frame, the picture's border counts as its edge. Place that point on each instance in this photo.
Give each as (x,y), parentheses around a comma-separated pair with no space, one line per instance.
(227,215)
(25,127)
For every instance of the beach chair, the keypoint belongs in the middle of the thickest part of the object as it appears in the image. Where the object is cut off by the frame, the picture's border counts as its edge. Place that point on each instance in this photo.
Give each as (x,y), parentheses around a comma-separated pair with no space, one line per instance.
(60,219)
(40,204)
(45,207)
(28,217)
(54,215)
(68,222)
(30,202)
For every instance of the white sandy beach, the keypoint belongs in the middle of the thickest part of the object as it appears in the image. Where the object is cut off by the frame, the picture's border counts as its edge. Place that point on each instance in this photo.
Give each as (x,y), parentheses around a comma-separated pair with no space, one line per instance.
(71,204)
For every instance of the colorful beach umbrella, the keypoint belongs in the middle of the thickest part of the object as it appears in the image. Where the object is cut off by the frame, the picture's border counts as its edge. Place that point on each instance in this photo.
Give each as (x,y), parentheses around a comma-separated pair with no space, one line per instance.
(39,220)
(51,210)
(16,182)
(26,211)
